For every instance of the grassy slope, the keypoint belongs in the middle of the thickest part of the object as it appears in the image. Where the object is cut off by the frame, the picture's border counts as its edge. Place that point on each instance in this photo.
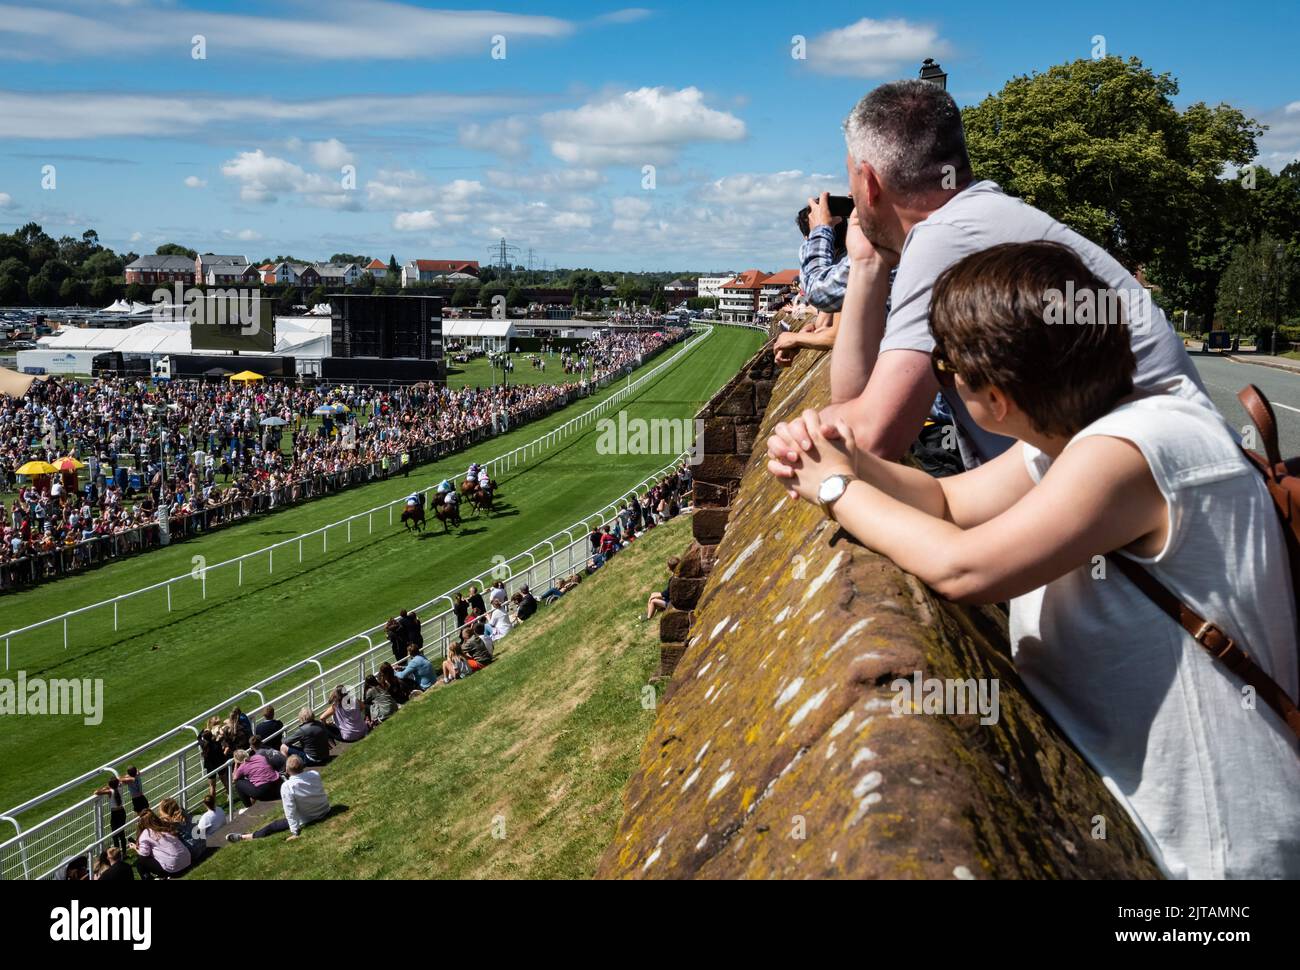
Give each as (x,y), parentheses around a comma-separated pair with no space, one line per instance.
(539,745)
(162,668)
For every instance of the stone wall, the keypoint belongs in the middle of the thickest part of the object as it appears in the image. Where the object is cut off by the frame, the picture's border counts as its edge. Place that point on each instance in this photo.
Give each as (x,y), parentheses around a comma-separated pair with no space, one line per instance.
(778,751)
(731,426)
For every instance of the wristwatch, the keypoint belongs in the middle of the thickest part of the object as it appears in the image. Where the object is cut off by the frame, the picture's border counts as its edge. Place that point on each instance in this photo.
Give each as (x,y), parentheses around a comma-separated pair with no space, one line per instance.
(829,491)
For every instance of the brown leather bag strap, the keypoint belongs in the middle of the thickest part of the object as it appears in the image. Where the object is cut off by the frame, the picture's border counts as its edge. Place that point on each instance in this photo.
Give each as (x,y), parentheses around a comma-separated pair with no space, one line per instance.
(1215,641)
(1261,412)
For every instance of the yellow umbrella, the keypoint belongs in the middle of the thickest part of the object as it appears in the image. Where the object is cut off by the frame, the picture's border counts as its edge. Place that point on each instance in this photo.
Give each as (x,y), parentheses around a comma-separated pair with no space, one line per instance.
(37,468)
(247,376)
(69,464)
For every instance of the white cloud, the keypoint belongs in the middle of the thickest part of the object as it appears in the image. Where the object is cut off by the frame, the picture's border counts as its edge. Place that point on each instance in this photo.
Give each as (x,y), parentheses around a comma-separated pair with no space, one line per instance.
(455,202)
(194,182)
(788,190)
(875,48)
(559,180)
(415,221)
(6,200)
(399,189)
(628,15)
(136,237)
(648,125)
(243,235)
(505,137)
(330,30)
(1280,145)
(265,178)
(64,115)
(330,154)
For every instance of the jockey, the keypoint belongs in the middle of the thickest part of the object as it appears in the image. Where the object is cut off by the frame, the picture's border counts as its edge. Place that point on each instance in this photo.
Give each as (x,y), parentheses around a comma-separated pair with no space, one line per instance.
(484,481)
(445,486)
(416,499)
(472,473)
(452,498)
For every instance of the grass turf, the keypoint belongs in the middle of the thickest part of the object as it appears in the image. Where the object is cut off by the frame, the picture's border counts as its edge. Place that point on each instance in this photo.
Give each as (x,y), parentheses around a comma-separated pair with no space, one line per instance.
(479,373)
(161,668)
(516,772)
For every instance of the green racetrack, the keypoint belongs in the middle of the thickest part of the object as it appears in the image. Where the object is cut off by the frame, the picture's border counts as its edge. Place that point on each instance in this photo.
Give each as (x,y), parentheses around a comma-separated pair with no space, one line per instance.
(160,669)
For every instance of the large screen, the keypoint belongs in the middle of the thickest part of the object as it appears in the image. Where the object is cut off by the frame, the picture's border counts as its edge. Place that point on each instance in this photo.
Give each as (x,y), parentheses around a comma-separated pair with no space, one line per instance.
(234,320)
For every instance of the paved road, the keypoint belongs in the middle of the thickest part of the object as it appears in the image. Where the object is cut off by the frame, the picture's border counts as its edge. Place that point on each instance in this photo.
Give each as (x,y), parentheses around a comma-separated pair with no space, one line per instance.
(1224,378)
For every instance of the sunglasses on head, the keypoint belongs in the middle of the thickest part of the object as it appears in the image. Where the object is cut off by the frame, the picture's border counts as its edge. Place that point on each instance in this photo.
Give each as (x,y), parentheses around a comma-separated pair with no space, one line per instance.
(943,370)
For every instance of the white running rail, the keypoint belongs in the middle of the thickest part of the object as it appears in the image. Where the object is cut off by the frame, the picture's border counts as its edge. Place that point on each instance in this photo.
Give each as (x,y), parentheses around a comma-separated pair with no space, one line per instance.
(497,467)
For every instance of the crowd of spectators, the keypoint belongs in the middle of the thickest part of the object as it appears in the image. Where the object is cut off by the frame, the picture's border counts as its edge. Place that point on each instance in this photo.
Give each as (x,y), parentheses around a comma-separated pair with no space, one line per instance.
(199,453)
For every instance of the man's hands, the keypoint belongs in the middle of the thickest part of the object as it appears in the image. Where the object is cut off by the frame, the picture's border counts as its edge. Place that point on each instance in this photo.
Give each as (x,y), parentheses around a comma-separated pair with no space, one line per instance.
(862,250)
(819,212)
(802,453)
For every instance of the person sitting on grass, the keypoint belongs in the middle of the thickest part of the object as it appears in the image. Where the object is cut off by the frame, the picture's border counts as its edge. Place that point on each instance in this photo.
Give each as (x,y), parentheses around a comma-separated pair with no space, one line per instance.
(305,801)
(379,703)
(1154,479)
(416,669)
(555,592)
(268,750)
(498,622)
(112,867)
(309,740)
(392,685)
(477,651)
(170,811)
(268,728)
(160,853)
(659,600)
(211,821)
(344,718)
(256,780)
(525,604)
(456,666)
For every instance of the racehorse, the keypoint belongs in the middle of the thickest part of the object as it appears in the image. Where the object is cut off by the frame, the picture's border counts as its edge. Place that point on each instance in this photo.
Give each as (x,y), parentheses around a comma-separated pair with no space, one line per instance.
(470,485)
(448,515)
(413,518)
(481,499)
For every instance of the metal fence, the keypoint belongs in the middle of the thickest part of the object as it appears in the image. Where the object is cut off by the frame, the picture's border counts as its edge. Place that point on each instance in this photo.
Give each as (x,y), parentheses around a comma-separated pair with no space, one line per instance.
(83,828)
(34,569)
(298,546)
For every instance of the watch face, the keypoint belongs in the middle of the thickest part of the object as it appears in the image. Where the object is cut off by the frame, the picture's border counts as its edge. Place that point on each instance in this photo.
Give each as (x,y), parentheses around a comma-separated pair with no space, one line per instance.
(831,489)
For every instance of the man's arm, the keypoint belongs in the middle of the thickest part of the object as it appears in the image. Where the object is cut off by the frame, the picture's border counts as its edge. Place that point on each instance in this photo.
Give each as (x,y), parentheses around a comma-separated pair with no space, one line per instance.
(290,807)
(821,277)
(888,415)
(861,327)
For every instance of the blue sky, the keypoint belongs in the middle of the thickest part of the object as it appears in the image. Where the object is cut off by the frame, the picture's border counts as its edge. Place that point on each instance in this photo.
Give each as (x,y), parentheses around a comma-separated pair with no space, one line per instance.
(385,127)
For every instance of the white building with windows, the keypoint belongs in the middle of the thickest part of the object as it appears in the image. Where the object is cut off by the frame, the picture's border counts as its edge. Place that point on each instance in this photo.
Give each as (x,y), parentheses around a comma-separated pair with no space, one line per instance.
(711,286)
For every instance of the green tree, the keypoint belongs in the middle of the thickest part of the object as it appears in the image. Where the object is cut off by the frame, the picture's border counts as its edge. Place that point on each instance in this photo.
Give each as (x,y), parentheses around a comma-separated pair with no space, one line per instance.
(176,249)
(42,291)
(465,294)
(1256,285)
(1100,145)
(73,292)
(515,297)
(490,290)
(103,262)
